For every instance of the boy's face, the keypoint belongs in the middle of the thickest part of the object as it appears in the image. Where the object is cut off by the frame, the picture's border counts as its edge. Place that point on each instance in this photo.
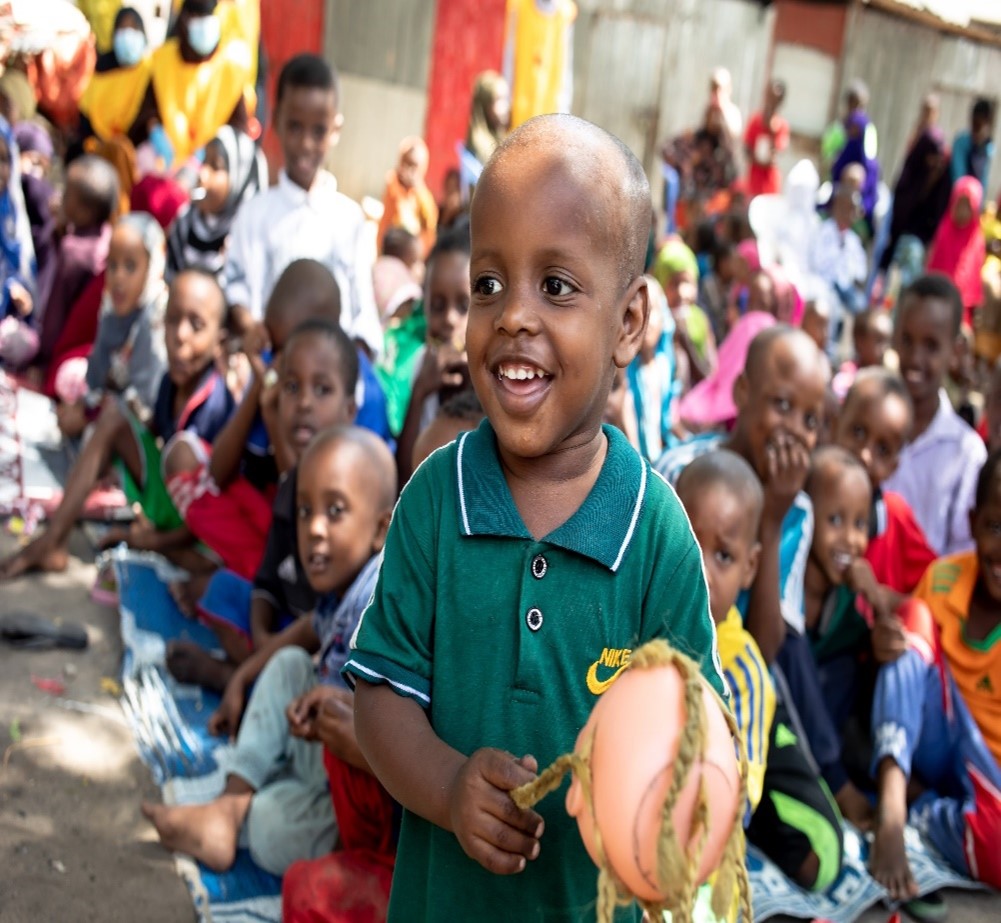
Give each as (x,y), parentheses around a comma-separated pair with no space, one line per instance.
(985,525)
(874,427)
(213,178)
(448,300)
(873,340)
(681,289)
(338,520)
(926,345)
(128,264)
(550,318)
(782,400)
(841,506)
(306,123)
(411,168)
(75,211)
(311,397)
(192,328)
(729,545)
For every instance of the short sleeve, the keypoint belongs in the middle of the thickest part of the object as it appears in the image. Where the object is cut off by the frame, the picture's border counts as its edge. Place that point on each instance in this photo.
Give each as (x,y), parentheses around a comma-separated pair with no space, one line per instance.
(752,701)
(794,550)
(392,643)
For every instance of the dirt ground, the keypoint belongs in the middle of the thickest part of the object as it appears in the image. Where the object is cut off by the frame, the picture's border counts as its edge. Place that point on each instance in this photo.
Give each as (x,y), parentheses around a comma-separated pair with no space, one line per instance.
(73,845)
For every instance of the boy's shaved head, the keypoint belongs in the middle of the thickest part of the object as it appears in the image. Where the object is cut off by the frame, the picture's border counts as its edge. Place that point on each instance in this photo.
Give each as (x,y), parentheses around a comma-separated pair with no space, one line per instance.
(727,469)
(96,182)
(374,458)
(601,161)
(763,344)
(305,291)
(829,462)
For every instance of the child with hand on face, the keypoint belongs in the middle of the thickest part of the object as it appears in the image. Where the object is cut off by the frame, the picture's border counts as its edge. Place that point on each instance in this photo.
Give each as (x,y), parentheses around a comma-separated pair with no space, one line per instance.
(276,787)
(479,657)
(440,369)
(192,397)
(408,202)
(955,751)
(938,468)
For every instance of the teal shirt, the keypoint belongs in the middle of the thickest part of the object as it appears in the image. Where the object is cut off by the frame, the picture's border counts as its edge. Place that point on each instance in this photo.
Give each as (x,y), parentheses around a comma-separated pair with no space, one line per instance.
(507,642)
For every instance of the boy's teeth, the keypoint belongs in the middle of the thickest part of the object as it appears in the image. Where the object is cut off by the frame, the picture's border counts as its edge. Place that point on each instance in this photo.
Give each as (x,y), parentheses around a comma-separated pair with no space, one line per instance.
(520,373)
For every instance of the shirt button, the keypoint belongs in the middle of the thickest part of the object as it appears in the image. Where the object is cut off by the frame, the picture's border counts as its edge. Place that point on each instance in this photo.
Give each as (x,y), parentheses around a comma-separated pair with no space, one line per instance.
(533,618)
(539,567)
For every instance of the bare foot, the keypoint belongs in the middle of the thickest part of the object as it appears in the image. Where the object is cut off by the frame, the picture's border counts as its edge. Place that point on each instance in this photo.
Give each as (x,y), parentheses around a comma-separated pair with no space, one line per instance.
(186,593)
(190,663)
(854,806)
(206,832)
(38,555)
(888,862)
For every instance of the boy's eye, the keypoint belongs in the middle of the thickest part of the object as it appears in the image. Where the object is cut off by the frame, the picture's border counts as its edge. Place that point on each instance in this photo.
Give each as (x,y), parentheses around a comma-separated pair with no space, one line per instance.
(197,324)
(723,556)
(335,511)
(487,286)
(858,433)
(303,512)
(782,405)
(290,386)
(836,519)
(862,524)
(883,450)
(812,422)
(555,287)
(322,389)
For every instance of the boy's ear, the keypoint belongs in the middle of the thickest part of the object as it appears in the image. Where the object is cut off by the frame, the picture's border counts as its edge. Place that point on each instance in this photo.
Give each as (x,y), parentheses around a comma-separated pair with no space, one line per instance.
(740,389)
(351,411)
(634,316)
(380,536)
(335,131)
(751,570)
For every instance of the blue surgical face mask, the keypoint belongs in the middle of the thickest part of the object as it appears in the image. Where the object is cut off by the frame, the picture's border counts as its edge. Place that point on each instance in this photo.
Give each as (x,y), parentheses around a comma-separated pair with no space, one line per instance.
(129,45)
(203,34)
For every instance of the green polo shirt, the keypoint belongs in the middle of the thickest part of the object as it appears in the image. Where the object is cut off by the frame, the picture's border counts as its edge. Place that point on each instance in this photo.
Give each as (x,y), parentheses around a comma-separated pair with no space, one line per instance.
(507,642)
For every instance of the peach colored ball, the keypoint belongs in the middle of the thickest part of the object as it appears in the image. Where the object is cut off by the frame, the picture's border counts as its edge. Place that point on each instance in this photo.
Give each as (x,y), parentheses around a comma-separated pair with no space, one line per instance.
(636,728)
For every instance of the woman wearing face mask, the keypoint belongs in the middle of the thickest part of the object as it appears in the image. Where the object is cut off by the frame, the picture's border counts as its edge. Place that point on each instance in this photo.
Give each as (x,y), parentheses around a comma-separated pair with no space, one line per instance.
(201,81)
(121,78)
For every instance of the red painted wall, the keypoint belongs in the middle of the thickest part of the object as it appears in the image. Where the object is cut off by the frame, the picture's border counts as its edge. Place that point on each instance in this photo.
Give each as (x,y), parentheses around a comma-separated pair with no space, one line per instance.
(288,28)
(814,25)
(468,39)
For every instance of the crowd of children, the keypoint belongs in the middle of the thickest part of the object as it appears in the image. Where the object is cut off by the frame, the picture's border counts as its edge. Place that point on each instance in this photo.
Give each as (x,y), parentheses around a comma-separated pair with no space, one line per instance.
(422,479)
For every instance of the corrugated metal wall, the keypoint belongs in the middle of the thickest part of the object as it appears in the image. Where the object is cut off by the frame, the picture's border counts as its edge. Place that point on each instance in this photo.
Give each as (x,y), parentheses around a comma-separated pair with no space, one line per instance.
(902,61)
(641,70)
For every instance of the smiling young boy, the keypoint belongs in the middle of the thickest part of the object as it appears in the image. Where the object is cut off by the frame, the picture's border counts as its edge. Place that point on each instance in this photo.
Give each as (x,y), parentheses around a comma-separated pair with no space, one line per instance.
(304,215)
(526,560)
(938,468)
(937,713)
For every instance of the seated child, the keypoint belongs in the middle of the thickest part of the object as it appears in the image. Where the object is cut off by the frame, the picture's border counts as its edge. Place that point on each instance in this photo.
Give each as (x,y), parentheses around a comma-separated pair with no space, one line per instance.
(936,714)
(938,468)
(715,286)
(316,388)
(872,334)
(192,396)
(276,788)
(677,272)
(408,202)
(400,243)
(304,215)
(439,369)
(18,339)
(233,171)
(874,425)
(837,257)
(649,398)
(724,500)
(816,323)
(498,598)
(35,146)
(88,206)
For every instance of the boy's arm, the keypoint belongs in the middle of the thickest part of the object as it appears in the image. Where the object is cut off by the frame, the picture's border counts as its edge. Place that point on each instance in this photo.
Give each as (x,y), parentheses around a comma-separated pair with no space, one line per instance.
(227,449)
(468,797)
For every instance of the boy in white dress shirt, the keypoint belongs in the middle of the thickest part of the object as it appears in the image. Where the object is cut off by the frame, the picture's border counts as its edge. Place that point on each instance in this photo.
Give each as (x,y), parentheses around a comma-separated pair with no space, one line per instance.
(303,216)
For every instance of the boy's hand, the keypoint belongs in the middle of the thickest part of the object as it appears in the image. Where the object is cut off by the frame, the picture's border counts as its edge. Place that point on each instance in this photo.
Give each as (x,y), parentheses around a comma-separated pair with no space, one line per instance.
(256,342)
(71,419)
(490,827)
(888,639)
(788,466)
(335,727)
(443,366)
(20,298)
(225,720)
(301,712)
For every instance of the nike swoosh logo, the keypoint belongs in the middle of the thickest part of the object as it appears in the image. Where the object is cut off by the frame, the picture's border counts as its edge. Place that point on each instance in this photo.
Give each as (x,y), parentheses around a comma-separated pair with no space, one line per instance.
(598,686)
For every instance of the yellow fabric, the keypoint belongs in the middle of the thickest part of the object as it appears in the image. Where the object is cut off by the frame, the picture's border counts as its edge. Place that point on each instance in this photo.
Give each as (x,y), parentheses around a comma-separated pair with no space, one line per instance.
(752,697)
(946,588)
(101,16)
(537,46)
(196,100)
(241,19)
(112,99)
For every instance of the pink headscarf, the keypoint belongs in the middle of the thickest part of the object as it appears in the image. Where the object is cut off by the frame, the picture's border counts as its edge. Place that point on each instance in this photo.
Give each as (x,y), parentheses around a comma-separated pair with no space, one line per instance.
(710,403)
(959,252)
